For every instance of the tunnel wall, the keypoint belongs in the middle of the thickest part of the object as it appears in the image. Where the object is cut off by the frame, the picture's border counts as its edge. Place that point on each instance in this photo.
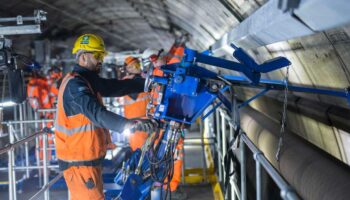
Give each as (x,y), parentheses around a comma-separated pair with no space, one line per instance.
(313,173)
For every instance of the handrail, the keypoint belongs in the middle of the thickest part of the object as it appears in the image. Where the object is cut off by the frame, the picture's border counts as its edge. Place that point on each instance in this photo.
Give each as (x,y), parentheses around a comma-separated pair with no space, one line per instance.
(46,187)
(27,121)
(287,191)
(14,145)
(47,110)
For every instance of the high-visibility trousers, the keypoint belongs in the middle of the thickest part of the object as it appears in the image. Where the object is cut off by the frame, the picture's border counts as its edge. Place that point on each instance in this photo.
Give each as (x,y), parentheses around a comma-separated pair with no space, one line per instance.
(84,183)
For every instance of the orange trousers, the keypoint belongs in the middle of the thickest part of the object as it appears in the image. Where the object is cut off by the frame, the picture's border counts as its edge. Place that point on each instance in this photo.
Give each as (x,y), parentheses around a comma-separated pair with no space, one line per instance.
(84,183)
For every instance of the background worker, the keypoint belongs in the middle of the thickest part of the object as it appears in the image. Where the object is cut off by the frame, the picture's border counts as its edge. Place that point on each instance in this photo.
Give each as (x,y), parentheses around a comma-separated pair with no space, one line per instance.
(54,79)
(38,94)
(135,105)
(82,121)
(38,89)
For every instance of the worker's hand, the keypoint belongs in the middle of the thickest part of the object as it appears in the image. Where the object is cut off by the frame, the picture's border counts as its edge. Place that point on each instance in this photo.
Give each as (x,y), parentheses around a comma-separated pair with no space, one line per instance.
(146,125)
(111,146)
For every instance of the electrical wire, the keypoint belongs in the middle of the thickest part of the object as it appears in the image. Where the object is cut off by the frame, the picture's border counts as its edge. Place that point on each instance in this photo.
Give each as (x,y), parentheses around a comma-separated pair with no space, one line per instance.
(162,169)
(284,116)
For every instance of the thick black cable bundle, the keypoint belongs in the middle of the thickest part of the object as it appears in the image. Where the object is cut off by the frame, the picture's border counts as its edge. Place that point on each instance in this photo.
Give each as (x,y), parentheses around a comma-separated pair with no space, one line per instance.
(167,161)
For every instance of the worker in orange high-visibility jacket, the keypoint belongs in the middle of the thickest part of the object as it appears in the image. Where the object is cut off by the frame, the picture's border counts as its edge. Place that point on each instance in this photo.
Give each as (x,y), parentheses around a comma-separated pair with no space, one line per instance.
(175,53)
(38,94)
(82,121)
(54,79)
(134,104)
(158,58)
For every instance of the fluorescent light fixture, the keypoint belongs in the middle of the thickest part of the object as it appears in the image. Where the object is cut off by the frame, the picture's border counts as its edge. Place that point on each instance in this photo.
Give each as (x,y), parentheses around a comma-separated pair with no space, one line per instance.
(7,104)
(126,132)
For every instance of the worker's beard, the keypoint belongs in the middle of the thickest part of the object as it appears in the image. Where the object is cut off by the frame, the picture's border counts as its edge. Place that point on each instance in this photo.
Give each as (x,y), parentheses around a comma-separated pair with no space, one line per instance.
(94,66)
(98,67)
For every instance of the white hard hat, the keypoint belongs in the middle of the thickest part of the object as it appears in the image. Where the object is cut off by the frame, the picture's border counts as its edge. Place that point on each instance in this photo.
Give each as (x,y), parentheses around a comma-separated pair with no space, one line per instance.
(149,52)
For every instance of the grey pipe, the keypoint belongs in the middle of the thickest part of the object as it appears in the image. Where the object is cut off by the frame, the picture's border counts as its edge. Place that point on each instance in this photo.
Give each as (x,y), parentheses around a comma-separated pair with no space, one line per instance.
(314,174)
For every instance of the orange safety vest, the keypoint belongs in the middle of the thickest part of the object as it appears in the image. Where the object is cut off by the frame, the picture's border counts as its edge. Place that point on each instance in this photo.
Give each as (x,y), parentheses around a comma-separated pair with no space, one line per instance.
(38,93)
(77,138)
(175,54)
(136,108)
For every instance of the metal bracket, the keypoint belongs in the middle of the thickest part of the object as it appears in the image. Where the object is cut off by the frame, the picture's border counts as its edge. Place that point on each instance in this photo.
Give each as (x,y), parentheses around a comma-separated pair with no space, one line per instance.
(19,28)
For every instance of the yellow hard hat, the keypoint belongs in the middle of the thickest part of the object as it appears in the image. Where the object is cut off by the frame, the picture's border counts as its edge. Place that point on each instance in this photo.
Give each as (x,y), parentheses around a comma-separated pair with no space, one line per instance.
(89,42)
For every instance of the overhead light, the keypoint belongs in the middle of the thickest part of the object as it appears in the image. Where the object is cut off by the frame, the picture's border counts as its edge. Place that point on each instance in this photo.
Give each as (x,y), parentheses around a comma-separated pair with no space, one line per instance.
(7,104)
(126,132)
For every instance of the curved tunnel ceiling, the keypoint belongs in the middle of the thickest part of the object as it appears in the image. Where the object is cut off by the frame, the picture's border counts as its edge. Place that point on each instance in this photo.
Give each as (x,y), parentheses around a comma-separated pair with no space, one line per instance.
(135,24)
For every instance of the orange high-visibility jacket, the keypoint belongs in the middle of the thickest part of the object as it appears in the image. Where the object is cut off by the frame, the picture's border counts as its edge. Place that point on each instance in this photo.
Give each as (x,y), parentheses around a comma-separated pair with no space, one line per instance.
(136,108)
(38,93)
(175,54)
(77,138)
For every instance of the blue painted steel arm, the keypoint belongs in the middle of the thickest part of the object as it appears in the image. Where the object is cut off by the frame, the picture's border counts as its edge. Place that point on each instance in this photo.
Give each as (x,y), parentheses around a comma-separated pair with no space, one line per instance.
(193,56)
(280,85)
(253,98)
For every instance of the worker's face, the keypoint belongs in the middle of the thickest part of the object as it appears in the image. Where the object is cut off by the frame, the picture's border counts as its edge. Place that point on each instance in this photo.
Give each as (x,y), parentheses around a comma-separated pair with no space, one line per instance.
(133,68)
(92,61)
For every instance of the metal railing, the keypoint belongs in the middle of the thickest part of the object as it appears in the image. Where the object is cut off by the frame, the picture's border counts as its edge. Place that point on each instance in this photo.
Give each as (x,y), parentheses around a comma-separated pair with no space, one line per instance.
(10,149)
(222,119)
(18,136)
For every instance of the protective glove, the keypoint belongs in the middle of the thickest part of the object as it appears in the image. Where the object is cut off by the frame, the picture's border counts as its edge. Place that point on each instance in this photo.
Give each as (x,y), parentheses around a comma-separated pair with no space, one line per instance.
(146,125)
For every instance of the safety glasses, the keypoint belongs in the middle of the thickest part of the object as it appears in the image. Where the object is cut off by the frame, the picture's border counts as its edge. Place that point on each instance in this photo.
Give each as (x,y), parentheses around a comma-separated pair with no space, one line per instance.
(97,55)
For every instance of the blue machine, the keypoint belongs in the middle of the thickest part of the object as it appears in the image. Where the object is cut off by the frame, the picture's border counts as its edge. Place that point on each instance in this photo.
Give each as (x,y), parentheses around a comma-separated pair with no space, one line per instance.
(184,92)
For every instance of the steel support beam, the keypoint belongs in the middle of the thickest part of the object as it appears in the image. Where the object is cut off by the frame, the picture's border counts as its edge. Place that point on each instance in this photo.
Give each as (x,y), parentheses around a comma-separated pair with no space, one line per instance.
(313,173)
(280,20)
(16,30)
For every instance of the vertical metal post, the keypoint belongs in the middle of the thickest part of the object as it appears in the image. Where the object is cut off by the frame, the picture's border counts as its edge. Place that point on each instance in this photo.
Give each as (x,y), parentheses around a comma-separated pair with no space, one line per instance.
(258,179)
(15,115)
(223,139)
(21,119)
(233,194)
(25,117)
(218,143)
(12,172)
(204,164)
(27,158)
(37,152)
(46,174)
(37,148)
(243,170)
(26,148)
(10,168)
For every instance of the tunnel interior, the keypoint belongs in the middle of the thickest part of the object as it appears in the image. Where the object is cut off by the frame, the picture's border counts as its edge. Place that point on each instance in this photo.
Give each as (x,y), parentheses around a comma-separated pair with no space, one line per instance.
(313,35)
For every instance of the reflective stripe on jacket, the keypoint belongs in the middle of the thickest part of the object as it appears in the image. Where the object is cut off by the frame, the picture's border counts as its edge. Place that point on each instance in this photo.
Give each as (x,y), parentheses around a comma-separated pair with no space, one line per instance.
(77,138)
